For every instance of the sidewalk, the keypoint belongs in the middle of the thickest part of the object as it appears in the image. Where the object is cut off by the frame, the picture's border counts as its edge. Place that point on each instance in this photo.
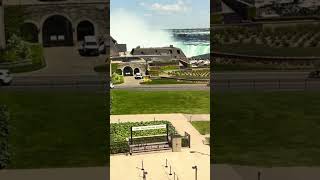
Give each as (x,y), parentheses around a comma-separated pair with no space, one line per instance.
(182,162)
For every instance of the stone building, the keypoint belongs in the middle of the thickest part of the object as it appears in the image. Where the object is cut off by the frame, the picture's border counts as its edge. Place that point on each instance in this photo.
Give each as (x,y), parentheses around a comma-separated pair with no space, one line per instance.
(2,34)
(63,22)
(171,52)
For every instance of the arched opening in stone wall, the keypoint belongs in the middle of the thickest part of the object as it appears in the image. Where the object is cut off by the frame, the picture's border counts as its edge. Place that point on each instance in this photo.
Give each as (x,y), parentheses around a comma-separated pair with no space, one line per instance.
(136,70)
(57,31)
(29,32)
(128,71)
(84,28)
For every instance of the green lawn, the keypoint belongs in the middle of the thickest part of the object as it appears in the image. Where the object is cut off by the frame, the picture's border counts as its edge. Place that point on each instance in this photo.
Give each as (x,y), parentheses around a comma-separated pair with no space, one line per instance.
(266,128)
(202,126)
(62,129)
(155,102)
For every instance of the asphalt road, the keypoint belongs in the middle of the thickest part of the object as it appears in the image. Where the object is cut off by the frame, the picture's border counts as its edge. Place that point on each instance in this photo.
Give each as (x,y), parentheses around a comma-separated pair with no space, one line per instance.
(221,81)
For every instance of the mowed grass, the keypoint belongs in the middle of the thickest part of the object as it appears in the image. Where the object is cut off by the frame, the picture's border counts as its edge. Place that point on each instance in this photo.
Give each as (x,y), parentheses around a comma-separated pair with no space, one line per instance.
(202,126)
(62,129)
(160,102)
(266,128)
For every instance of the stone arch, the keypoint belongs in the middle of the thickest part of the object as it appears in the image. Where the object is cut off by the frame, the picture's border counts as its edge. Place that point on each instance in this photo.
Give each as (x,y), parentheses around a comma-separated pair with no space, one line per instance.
(57,30)
(136,70)
(127,71)
(30,32)
(85,27)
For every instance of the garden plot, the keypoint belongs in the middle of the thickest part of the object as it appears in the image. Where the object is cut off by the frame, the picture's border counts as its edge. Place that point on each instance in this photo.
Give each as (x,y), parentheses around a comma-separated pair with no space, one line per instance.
(193,74)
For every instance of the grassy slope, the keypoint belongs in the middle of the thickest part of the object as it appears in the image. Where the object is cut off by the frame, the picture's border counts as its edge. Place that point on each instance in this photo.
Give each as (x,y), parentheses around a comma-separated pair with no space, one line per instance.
(56,129)
(153,102)
(202,126)
(278,129)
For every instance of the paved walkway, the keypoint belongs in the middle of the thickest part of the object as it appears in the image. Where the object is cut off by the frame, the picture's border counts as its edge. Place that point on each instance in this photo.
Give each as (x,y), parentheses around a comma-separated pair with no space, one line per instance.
(181,162)
(66,61)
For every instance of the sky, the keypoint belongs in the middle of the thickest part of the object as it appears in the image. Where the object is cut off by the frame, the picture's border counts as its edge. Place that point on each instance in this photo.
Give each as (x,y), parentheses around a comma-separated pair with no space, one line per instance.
(165,14)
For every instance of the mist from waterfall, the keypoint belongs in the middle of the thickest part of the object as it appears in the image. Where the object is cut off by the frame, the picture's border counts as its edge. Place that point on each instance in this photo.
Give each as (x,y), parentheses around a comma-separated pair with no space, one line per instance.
(128,28)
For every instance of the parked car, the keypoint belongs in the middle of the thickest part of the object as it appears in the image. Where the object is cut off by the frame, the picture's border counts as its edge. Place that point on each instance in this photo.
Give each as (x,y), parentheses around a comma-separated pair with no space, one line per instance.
(111,85)
(314,74)
(128,74)
(5,77)
(138,76)
(89,46)
(102,47)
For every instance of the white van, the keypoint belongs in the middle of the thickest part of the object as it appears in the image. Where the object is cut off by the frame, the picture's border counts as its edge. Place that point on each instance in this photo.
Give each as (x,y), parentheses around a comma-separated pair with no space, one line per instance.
(89,46)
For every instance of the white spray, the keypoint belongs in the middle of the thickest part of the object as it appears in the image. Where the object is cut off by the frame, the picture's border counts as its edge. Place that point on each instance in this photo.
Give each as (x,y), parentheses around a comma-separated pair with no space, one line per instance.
(128,28)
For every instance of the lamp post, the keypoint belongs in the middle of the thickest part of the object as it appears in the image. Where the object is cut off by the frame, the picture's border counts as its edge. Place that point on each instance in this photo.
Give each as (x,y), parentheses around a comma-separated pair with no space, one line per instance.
(2,28)
(196,169)
(145,175)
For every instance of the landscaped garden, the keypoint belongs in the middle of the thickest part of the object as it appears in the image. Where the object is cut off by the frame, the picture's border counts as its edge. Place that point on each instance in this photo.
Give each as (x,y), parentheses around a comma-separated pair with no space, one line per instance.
(299,40)
(56,129)
(120,132)
(21,56)
(191,74)
(159,102)
(266,128)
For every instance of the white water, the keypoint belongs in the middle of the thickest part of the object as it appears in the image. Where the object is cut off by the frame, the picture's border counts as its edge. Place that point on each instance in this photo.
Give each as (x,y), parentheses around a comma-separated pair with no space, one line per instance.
(193,50)
(128,28)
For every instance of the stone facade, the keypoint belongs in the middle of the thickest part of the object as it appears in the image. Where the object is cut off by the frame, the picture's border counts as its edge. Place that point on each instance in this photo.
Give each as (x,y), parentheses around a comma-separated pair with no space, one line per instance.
(2,34)
(135,65)
(96,12)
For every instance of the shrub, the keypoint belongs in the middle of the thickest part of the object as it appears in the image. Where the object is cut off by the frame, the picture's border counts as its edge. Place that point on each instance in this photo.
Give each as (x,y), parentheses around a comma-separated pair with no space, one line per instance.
(119,132)
(114,68)
(17,49)
(117,79)
(4,137)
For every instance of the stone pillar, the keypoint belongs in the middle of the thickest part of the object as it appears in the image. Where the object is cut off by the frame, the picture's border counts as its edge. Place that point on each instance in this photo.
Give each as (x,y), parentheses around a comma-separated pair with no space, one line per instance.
(2,31)
(176,143)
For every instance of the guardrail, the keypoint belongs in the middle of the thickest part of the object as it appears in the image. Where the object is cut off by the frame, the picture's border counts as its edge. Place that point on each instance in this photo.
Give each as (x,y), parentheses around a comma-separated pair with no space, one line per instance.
(266,84)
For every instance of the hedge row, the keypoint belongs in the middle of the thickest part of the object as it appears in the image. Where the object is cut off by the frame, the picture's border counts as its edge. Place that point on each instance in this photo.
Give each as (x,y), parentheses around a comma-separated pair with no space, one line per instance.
(119,132)
(4,137)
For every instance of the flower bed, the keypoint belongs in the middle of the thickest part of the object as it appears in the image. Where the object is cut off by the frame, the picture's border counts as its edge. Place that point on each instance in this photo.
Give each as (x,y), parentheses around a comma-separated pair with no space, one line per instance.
(193,74)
